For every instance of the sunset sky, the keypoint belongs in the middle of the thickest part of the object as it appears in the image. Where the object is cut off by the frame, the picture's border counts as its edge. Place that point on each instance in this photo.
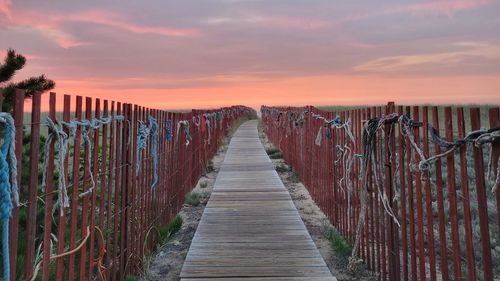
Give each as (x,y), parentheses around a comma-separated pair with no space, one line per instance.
(210,53)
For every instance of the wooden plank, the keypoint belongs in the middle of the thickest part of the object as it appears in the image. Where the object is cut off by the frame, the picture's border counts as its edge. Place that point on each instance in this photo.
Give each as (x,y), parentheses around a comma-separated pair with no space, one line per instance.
(256,261)
(251,229)
(265,279)
(255,271)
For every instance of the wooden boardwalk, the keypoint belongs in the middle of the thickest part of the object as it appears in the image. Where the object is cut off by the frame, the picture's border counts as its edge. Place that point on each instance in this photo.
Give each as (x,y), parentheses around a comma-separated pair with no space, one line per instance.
(250,229)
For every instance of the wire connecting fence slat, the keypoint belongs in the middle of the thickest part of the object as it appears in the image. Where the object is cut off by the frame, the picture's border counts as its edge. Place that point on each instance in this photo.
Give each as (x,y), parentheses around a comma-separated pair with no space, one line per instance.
(119,196)
(429,175)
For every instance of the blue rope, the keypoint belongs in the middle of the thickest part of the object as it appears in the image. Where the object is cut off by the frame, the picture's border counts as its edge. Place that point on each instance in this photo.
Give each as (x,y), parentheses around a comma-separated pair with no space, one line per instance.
(143,134)
(57,133)
(153,125)
(168,128)
(142,137)
(8,185)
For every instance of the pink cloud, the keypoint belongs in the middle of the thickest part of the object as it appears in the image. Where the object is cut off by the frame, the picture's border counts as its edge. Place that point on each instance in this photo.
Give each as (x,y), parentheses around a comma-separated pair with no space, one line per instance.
(114,20)
(443,7)
(298,23)
(51,25)
(5,7)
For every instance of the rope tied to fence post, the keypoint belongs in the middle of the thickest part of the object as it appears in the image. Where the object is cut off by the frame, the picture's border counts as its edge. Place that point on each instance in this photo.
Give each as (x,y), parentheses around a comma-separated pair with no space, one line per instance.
(8,185)
(168,130)
(185,125)
(207,121)
(153,124)
(317,141)
(142,136)
(88,128)
(61,139)
(196,121)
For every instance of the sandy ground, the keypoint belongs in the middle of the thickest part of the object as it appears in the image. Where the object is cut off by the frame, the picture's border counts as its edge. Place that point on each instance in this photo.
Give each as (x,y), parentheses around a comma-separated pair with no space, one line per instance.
(167,264)
(315,220)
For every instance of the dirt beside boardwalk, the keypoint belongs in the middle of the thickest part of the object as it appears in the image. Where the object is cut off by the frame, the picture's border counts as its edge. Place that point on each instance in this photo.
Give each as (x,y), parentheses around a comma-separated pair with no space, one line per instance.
(315,220)
(166,265)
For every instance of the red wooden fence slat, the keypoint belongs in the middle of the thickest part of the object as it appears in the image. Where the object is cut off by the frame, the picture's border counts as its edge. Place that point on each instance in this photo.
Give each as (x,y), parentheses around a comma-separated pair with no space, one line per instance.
(464,182)
(74,188)
(428,201)
(419,202)
(33,186)
(48,198)
(494,116)
(482,200)
(452,197)
(443,253)
(14,222)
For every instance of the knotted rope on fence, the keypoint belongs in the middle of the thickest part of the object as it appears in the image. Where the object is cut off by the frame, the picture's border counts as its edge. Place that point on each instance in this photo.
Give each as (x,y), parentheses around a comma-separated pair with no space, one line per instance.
(60,138)
(185,125)
(154,148)
(8,185)
(168,130)
(143,133)
(207,121)
(219,115)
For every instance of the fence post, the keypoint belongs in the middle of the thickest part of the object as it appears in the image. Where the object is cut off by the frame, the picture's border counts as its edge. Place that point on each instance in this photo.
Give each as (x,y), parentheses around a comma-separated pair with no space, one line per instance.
(494,115)
(33,186)
(392,238)
(14,222)
(482,200)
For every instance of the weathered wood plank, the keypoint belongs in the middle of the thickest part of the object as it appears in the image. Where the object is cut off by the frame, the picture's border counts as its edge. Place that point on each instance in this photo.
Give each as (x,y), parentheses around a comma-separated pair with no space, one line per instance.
(264,279)
(255,271)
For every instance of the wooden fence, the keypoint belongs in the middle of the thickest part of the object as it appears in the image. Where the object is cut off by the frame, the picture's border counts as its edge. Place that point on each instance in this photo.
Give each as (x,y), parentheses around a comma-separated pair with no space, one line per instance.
(427,218)
(119,192)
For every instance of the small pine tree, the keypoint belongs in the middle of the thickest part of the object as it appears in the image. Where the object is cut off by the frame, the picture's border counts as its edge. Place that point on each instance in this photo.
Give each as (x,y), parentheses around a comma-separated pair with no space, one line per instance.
(12,63)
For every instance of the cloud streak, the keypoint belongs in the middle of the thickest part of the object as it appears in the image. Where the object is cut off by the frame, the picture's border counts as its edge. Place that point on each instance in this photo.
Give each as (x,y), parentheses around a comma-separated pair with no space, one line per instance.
(441,7)
(52,25)
(397,64)
(272,22)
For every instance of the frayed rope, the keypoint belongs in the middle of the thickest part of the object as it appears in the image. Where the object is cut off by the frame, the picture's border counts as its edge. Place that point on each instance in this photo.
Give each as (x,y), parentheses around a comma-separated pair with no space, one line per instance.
(8,185)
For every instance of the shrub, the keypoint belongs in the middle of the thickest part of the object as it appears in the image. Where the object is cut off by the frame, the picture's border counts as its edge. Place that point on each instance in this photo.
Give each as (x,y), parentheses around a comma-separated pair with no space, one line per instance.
(166,232)
(203,184)
(192,199)
(341,248)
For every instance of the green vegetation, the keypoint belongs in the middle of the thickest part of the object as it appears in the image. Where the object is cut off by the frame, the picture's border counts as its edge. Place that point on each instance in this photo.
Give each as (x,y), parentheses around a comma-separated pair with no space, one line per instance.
(203,184)
(192,199)
(341,248)
(167,232)
(130,278)
(14,62)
